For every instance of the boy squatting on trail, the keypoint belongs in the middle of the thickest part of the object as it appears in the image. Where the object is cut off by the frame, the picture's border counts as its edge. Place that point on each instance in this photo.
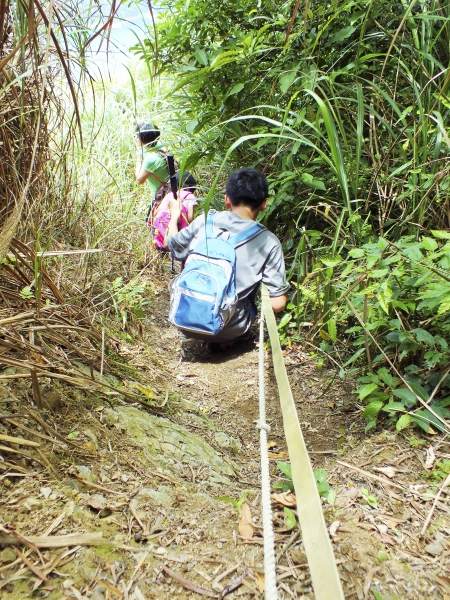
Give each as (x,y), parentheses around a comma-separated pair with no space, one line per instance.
(259,259)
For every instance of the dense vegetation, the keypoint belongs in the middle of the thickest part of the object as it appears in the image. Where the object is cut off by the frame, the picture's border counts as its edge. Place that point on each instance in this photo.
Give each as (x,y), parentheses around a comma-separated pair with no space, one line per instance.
(344,105)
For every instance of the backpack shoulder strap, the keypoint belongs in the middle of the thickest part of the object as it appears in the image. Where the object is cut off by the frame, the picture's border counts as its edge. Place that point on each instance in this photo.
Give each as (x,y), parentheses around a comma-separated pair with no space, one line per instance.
(247,234)
(209,224)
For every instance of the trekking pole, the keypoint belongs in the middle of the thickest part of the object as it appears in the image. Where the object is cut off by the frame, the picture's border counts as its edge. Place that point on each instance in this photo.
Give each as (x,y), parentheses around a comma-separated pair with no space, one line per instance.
(172,175)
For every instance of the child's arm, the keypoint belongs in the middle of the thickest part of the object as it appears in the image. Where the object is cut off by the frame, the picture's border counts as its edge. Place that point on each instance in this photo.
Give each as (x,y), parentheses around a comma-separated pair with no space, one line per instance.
(190,211)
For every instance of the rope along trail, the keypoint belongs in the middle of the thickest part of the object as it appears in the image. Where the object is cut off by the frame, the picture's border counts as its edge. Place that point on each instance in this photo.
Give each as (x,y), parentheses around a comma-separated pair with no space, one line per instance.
(319,552)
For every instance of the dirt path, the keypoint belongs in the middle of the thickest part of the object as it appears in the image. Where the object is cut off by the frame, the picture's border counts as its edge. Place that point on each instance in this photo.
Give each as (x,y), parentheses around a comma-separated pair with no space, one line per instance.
(163,513)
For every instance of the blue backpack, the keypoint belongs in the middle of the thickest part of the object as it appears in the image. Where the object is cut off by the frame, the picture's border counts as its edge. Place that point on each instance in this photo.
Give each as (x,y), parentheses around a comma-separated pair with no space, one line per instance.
(203,296)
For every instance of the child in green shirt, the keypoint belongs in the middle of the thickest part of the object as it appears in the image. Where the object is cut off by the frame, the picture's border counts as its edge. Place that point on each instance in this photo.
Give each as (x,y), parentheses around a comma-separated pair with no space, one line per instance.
(151,165)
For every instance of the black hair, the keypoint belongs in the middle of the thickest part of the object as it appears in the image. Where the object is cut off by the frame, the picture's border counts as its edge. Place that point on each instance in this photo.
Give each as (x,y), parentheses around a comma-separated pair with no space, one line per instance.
(248,187)
(147,132)
(188,182)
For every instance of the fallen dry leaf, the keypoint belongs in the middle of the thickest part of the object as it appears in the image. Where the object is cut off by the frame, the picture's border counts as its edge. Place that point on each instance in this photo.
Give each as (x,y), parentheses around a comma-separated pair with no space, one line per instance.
(95,503)
(271,445)
(285,499)
(246,528)
(260,581)
(274,455)
(430,458)
(384,537)
(334,527)
(444,582)
(388,471)
(391,523)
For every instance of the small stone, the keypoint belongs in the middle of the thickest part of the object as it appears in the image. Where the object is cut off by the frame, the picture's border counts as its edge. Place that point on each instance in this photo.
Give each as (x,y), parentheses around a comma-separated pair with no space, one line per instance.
(9,371)
(227,443)
(298,557)
(91,435)
(32,504)
(160,551)
(52,400)
(69,508)
(73,485)
(98,594)
(191,565)
(7,555)
(68,583)
(86,473)
(78,514)
(46,491)
(435,548)
(110,417)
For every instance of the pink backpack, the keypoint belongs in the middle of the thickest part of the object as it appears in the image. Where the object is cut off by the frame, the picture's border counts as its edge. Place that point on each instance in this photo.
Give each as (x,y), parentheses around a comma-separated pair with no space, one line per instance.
(162,217)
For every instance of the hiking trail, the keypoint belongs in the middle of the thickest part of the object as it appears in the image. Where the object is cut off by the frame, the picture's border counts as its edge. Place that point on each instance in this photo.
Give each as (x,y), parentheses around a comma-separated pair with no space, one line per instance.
(151,484)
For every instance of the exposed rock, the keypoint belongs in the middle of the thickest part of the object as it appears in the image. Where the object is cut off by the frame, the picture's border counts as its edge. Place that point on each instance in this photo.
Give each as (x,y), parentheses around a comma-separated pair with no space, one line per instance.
(32,504)
(91,435)
(110,416)
(298,557)
(161,496)
(227,443)
(51,398)
(435,548)
(46,491)
(7,555)
(163,439)
(86,473)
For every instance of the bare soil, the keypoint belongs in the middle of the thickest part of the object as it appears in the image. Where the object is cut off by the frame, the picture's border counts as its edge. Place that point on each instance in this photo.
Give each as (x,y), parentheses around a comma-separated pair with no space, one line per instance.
(181,534)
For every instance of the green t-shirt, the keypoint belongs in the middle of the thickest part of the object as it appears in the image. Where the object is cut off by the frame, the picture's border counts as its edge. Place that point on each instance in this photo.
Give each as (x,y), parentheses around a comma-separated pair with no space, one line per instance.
(155,164)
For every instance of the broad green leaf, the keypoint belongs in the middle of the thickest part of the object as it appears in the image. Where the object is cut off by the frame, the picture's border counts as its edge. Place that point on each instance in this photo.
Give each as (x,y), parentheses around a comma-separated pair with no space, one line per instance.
(386,377)
(371,500)
(413,252)
(403,422)
(236,89)
(285,468)
(378,273)
(356,252)
(429,244)
(394,407)
(317,184)
(370,425)
(423,418)
(289,519)
(423,336)
(382,244)
(284,320)
(287,80)
(366,390)
(331,497)
(323,487)
(331,261)
(441,235)
(342,34)
(321,475)
(418,389)
(354,357)
(406,395)
(201,56)
(372,409)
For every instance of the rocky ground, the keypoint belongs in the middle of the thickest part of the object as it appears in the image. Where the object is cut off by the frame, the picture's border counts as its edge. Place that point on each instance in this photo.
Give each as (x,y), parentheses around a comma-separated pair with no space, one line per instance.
(128,503)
